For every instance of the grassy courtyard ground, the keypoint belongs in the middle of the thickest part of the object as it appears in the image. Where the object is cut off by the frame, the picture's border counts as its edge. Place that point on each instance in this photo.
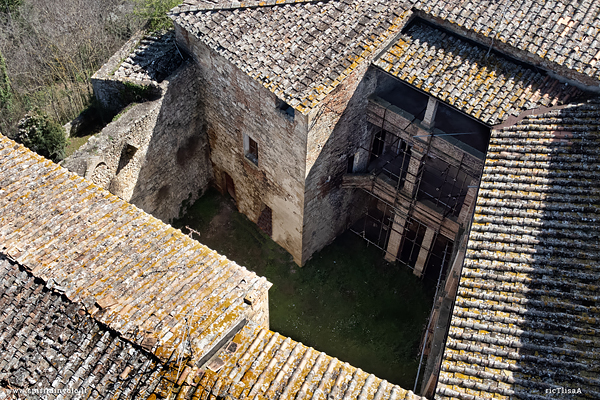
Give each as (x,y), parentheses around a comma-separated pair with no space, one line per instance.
(346,301)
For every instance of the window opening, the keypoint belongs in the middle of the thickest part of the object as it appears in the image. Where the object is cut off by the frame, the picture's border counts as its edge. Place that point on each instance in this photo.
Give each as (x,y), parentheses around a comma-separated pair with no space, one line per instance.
(285,108)
(251,149)
(127,154)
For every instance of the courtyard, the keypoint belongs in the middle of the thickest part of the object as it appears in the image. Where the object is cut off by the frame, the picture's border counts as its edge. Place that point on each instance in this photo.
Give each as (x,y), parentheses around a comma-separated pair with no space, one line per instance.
(346,301)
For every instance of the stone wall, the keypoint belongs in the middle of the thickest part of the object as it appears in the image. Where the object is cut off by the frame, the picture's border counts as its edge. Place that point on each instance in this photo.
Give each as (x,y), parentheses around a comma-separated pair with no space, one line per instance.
(239,108)
(109,90)
(156,154)
(338,131)
(177,164)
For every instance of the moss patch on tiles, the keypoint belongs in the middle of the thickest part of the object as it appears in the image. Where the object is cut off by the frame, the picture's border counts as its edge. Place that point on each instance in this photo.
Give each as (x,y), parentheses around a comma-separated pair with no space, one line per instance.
(346,301)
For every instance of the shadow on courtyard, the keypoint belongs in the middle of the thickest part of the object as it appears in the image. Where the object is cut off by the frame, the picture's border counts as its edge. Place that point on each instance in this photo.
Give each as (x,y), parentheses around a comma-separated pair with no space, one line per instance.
(346,301)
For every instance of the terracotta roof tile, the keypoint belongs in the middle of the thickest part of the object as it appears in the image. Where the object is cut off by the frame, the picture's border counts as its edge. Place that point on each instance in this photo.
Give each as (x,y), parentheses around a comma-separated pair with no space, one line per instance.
(104,298)
(267,365)
(299,50)
(152,59)
(557,31)
(67,231)
(49,343)
(486,86)
(526,317)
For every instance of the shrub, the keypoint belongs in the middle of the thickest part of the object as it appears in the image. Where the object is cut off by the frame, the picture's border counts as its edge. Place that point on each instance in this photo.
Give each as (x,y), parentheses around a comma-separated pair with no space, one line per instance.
(8,6)
(155,12)
(42,135)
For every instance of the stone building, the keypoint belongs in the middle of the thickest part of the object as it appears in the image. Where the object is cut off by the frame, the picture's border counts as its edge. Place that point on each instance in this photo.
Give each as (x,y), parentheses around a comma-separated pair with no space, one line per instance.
(365,114)
(92,306)
(318,116)
(322,116)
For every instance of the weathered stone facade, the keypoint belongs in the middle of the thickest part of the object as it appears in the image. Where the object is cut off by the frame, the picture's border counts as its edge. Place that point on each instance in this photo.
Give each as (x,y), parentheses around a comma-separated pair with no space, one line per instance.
(284,123)
(155,155)
(338,131)
(234,106)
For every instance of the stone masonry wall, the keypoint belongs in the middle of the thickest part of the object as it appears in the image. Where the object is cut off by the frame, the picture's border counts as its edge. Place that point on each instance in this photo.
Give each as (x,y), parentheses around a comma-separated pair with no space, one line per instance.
(156,154)
(235,106)
(99,159)
(177,164)
(338,131)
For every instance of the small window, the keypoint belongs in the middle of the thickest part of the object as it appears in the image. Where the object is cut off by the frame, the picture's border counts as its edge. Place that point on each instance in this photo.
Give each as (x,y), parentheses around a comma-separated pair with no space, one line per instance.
(251,149)
(285,108)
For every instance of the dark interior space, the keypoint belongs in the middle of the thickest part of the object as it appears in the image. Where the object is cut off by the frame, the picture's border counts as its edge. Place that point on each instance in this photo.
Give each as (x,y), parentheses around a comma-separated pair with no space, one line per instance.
(401,95)
(411,242)
(467,130)
(443,187)
(438,260)
(376,224)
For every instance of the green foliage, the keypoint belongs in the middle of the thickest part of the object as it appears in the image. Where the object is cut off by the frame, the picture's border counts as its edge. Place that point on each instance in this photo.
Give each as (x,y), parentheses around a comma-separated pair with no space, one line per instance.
(42,135)
(6,96)
(134,93)
(7,6)
(155,12)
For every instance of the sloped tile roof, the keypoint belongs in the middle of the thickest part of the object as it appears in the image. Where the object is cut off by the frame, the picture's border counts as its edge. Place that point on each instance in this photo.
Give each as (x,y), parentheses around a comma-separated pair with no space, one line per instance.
(526,317)
(299,50)
(152,60)
(559,31)
(48,343)
(263,364)
(99,297)
(458,72)
(139,276)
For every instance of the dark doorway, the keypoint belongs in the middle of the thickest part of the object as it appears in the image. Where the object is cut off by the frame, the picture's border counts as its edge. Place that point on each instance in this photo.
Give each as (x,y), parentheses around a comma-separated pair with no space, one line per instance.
(350,168)
(378,145)
(265,220)
(229,186)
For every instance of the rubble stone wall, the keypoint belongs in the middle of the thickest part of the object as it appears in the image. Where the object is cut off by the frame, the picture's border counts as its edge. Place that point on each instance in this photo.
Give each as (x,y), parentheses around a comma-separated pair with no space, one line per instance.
(237,106)
(338,131)
(156,154)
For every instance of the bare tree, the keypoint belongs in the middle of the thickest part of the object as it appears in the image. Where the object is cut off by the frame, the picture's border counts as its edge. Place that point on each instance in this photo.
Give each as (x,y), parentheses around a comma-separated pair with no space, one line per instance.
(52,47)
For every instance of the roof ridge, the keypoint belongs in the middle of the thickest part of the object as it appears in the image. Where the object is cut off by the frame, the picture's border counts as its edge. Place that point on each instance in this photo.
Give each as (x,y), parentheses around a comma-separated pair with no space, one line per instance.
(232,5)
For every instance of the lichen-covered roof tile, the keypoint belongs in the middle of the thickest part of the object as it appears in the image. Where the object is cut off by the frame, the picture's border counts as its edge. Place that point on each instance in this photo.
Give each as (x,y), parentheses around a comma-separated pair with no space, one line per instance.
(495,87)
(525,318)
(67,231)
(307,32)
(519,27)
(267,365)
(65,347)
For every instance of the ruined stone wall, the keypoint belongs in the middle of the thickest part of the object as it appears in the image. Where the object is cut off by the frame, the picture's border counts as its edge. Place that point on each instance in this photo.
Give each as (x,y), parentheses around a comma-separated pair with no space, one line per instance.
(99,160)
(177,166)
(338,130)
(236,106)
(109,89)
(156,154)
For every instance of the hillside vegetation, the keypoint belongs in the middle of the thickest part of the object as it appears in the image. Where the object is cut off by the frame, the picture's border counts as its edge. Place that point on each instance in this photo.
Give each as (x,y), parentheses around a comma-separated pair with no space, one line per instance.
(49,49)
